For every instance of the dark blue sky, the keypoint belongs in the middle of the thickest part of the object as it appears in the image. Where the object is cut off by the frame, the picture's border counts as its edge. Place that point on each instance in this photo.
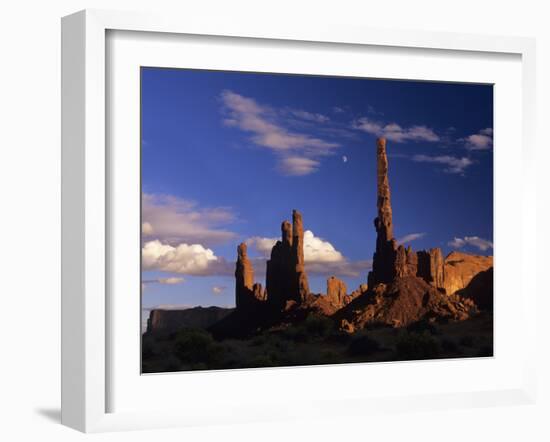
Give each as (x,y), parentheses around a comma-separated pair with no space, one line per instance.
(227,156)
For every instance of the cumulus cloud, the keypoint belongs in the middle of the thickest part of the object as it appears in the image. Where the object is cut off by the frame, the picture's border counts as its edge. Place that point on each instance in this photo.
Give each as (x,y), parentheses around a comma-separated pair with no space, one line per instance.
(218,289)
(483,140)
(175,220)
(395,132)
(261,245)
(186,259)
(474,241)
(318,250)
(410,237)
(297,153)
(456,165)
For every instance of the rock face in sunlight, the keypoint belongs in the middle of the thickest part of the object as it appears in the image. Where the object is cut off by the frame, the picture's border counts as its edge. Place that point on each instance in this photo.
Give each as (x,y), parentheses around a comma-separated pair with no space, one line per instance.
(430,267)
(460,268)
(336,291)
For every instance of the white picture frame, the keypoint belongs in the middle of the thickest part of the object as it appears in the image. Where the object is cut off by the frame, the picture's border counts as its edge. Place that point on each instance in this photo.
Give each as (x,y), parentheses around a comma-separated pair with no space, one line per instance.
(85,210)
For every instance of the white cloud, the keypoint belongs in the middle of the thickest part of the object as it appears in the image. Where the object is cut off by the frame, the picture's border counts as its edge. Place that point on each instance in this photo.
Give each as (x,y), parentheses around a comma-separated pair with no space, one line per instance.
(309,116)
(298,166)
(395,132)
(318,250)
(174,220)
(218,289)
(483,140)
(475,241)
(338,110)
(173,280)
(410,237)
(184,259)
(298,153)
(146,229)
(453,164)
(262,245)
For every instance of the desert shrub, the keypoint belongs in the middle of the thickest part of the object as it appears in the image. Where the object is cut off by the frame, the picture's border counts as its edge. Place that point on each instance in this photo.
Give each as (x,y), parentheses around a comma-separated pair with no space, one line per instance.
(297,333)
(466,341)
(422,326)
(416,346)
(363,345)
(196,346)
(317,325)
(339,337)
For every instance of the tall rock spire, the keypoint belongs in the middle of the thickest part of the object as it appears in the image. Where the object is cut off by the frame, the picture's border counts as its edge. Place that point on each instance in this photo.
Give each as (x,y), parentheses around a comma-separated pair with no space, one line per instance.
(384,222)
(383,265)
(246,292)
(302,285)
(286,278)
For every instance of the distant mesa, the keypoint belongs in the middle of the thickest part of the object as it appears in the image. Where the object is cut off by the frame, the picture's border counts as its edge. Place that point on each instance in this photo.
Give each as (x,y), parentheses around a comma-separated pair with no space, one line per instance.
(166,321)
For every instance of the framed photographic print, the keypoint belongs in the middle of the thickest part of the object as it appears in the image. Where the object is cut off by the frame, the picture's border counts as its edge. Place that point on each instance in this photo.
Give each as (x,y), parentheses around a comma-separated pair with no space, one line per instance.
(252,212)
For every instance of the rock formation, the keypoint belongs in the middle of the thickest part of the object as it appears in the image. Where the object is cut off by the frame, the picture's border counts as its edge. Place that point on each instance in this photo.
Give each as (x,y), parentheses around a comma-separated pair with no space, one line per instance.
(430,267)
(404,286)
(247,294)
(383,265)
(336,291)
(460,268)
(301,288)
(286,278)
(403,301)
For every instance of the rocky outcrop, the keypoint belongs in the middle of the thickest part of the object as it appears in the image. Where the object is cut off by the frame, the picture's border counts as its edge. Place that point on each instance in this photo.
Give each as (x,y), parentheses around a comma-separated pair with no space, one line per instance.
(336,291)
(430,267)
(404,301)
(286,278)
(460,268)
(247,294)
(480,290)
(169,321)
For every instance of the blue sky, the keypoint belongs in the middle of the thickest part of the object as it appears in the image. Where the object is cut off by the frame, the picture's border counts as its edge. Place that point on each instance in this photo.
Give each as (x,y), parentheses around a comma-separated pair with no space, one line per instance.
(226,156)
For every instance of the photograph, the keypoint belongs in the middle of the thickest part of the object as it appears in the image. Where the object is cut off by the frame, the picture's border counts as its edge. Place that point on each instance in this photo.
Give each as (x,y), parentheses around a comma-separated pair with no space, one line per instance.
(301,220)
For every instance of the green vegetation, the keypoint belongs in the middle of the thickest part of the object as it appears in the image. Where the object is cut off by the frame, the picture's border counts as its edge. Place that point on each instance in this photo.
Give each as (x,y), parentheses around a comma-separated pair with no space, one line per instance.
(315,341)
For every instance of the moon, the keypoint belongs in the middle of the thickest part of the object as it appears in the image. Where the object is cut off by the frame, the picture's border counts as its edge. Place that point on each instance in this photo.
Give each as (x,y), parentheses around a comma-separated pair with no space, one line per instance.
(345,159)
